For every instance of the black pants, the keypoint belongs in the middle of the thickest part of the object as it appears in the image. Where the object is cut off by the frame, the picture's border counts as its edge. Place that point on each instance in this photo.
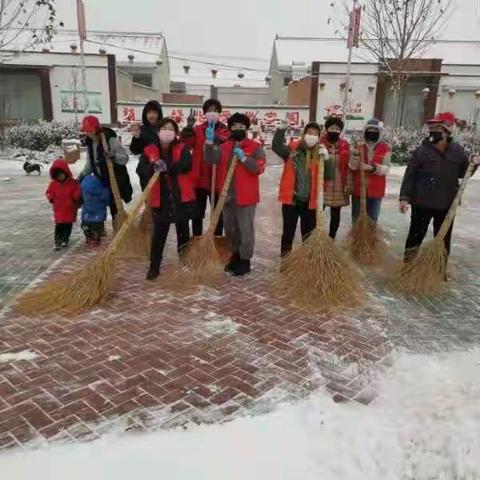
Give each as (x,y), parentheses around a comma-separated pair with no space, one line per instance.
(334,221)
(93,230)
(291,214)
(197,223)
(159,238)
(421,218)
(63,232)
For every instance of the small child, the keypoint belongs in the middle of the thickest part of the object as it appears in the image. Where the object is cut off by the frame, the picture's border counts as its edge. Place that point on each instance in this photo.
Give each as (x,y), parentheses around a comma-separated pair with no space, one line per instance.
(64,194)
(96,199)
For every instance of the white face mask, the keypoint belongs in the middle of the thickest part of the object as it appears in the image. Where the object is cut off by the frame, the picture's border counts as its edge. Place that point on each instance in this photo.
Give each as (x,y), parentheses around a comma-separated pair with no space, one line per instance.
(311,140)
(166,136)
(212,117)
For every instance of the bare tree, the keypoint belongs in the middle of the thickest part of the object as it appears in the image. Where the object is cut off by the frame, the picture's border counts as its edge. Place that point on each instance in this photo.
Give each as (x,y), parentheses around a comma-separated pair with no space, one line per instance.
(396,31)
(393,32)
(25,23)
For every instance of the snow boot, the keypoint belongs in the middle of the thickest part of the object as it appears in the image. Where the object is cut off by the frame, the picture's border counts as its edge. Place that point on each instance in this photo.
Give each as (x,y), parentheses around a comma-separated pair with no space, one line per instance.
(233,264)
(242,269)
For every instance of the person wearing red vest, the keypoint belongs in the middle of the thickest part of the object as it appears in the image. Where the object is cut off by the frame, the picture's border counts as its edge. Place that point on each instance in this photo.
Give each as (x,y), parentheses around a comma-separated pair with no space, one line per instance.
(202,172)
(376,165)
(244,192)
(172,198)
(298,184)
(337,189)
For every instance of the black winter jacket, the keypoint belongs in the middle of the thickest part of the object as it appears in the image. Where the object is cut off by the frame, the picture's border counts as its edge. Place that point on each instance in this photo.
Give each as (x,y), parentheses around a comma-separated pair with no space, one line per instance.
(432,177)
(148,135)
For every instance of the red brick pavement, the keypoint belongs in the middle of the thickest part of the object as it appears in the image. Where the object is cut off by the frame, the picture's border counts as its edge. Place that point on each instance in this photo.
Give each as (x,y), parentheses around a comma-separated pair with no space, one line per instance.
(150,358)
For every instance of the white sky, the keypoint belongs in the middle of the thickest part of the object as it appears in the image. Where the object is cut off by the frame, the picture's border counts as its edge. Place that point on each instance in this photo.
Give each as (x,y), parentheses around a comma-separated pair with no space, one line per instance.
(238,28)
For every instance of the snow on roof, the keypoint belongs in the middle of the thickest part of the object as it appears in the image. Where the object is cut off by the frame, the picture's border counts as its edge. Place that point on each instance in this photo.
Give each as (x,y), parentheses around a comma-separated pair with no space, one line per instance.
(307,50)
(146,48)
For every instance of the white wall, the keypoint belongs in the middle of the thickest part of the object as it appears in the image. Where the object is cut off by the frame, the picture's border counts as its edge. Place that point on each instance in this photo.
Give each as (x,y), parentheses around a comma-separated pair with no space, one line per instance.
(61,68)
(465,80)
(362,98)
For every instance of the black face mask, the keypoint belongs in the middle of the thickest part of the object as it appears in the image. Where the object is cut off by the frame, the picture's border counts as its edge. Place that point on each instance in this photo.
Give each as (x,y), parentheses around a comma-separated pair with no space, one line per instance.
(372,136)
(333,137)
(239,135)
(435,137)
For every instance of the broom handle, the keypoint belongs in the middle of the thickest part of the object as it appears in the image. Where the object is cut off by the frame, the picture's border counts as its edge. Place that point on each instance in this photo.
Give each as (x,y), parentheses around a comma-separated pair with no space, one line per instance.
(132,215)
(223,196)
(113,180)
(363,183)
(447,223)
(214,185)
(320,196)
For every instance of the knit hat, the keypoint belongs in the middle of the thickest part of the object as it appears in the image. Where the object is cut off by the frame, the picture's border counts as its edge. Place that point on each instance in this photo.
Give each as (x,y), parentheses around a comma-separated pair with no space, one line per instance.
(334,120)
(446,120)
(374,124)
(90,124)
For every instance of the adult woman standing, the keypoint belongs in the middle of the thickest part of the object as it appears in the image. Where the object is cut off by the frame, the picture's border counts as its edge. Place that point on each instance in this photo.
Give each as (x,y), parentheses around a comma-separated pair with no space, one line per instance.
(336,189)
(173,196)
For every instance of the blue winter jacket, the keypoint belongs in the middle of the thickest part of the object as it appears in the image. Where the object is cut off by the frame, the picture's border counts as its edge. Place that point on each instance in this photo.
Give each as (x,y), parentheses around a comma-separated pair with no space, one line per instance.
(96,199)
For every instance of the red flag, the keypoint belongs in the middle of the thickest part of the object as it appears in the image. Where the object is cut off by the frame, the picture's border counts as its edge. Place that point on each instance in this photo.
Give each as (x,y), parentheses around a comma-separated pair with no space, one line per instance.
(82,24)
(354,27)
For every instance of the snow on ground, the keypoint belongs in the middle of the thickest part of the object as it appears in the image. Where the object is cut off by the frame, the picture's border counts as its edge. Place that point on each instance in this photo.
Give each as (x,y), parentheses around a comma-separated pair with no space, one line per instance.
(424,425)
(17,357)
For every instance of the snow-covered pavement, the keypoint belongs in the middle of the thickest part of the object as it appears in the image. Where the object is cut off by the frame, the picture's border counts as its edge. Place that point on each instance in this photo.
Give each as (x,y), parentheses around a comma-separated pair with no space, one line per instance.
(422,426)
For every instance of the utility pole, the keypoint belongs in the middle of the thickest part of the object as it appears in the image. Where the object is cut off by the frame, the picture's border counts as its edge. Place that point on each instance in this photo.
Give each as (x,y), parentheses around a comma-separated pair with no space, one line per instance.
(82,33)
(353,33)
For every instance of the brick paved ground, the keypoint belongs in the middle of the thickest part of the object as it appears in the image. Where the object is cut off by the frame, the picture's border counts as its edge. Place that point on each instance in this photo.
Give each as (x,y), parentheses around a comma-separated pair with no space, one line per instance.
(151,359)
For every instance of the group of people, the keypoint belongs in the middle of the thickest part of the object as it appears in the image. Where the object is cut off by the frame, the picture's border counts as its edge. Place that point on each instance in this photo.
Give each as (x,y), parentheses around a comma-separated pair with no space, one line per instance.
(193,165)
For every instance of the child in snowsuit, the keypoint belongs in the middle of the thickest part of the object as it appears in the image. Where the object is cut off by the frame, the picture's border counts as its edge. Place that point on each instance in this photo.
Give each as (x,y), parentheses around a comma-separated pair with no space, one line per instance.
(64,194)
(244,192)
(96,199)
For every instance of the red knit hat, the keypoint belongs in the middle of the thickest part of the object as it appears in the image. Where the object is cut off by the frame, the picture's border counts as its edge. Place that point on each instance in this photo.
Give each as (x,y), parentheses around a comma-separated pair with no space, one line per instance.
(446,120)
(152,152)
(90,124)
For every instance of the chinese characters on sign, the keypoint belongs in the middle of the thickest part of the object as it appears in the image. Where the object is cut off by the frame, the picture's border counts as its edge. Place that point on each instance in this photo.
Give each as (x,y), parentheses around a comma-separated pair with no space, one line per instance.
(264,120)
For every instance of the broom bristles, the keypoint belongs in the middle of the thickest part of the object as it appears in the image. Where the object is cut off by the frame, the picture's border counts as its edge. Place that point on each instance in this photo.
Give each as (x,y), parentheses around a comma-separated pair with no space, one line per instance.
(317,277)
(425,273)
(72,292)
(366,242)
(137,240)
(119,219)
(202,260)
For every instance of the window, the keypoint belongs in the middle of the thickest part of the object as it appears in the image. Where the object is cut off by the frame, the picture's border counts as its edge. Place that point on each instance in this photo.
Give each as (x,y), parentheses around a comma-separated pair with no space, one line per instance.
(143,79)
(20,96)
(178,87)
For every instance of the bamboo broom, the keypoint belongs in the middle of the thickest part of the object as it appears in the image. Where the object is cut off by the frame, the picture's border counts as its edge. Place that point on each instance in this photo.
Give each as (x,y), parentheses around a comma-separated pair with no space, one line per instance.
(76,291)
(425,274)
(317,276)
(137,242)
(202,260)
(221,243)
(365,241)
(121,215)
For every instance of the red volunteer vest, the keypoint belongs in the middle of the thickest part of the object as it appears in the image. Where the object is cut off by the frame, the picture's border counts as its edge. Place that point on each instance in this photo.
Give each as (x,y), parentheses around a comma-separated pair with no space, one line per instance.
(376,184)
(185,181)
(247,185)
